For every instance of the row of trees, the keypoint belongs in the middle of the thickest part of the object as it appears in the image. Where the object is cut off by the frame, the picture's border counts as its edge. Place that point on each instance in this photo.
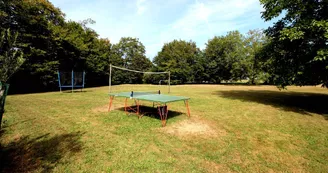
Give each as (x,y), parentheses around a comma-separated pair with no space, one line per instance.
(37,32)
(293,51)
(225,58)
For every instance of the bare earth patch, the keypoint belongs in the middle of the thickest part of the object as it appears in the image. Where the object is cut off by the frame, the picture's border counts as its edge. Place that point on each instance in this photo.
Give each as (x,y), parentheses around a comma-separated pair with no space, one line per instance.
(103,108)
(193,127)
(215,167)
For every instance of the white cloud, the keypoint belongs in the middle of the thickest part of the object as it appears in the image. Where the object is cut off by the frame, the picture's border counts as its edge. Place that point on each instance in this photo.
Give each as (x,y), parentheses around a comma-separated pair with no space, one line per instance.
(141,7)
(204,19)
(158,22)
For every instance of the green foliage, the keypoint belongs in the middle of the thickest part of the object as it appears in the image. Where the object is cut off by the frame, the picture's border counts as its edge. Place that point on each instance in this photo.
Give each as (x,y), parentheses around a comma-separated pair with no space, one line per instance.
(254,41)
(49,43)
(156,78)
(199,68)
(298,50)
(98,60)
(34,20)
(178,57)
(224,56)
(129,53)
(11,57)
(293,51)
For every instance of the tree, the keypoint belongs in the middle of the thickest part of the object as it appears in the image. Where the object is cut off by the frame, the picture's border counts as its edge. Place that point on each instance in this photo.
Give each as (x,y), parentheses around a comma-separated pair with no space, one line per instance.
(11,57)
(156,79)
(254,42)
(50,43)
(129,53)
(224,55)
(33,20)
(178,57)
(298,48)
(97,62)
(199,68)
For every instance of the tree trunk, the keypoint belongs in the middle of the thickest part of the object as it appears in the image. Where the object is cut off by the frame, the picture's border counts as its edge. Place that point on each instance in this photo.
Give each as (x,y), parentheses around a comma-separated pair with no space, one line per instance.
(3,94)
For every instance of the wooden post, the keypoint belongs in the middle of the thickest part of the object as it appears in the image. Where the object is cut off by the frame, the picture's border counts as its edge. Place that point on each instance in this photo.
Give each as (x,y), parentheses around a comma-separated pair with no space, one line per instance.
(169,81)
(110,77)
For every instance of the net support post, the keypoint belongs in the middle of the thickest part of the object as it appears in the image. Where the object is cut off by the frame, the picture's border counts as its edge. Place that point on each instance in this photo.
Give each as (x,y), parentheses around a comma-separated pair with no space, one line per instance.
(169,81)
(110,77)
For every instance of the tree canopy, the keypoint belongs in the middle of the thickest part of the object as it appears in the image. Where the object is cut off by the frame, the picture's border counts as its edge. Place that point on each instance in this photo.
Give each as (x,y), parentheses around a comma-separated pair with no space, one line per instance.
(224,55)
(11,58)
(292,51)
(51,44)
(178,57)
(298,48)
(255,40)
(129,53)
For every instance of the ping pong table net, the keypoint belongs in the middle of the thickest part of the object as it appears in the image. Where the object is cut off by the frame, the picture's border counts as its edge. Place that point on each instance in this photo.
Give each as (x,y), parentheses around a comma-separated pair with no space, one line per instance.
(140,93)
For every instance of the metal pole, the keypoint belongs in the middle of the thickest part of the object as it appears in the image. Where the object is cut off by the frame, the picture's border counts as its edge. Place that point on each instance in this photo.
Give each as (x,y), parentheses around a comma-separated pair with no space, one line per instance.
(59,81)
(169,81)
(72,80)
(83,80)
(110,77)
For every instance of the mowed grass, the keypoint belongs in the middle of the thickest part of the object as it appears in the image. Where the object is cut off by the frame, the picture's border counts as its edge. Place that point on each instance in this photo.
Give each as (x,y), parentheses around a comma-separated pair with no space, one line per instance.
(231,129)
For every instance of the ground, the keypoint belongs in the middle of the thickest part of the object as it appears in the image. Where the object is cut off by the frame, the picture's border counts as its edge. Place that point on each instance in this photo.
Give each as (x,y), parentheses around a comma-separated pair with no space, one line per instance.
(231,129)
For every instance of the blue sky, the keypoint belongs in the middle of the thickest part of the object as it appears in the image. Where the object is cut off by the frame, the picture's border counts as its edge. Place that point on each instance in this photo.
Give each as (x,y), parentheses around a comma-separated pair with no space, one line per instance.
(156,22)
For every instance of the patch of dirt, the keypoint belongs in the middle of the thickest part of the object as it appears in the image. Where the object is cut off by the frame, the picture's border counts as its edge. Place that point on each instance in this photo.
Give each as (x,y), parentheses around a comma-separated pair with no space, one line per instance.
(100,109)
(215,167)
(194,127)
(104,108)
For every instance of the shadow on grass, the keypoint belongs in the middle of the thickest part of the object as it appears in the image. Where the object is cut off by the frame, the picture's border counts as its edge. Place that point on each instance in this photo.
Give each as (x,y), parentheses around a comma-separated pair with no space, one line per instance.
(42,153)
(289,101)
(5,124)
(2,131)
(151,112)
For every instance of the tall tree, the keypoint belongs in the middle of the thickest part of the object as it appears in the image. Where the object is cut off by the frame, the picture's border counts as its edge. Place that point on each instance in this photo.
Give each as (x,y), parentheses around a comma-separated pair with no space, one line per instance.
(254,43)
(33,20)
(50,43)
(199,68)
(11,57)
(129,53)
(298,51)
(178,57)
(97,62)
(224,54)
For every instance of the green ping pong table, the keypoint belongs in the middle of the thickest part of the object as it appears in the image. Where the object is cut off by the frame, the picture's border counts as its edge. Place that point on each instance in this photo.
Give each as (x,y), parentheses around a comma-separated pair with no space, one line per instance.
(156,97)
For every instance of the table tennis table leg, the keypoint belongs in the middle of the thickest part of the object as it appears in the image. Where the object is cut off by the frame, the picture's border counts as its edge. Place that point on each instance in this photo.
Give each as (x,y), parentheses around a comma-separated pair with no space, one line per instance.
(111,98)
(138,104)
(163,112)
(187,106)
(125,105)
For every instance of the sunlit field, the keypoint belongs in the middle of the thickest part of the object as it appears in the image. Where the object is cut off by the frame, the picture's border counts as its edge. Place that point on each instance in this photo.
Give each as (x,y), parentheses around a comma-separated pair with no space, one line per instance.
(231,129)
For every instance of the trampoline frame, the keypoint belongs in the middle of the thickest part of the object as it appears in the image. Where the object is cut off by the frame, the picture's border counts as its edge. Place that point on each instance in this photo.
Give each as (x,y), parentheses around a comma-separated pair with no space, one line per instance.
(72,82)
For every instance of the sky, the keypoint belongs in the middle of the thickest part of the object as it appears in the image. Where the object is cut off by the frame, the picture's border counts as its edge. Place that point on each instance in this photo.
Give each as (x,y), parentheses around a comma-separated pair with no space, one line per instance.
(156,22)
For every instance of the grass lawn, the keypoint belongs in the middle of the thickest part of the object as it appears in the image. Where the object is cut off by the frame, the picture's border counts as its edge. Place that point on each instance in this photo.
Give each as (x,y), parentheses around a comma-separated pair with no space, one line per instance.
(231,129)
